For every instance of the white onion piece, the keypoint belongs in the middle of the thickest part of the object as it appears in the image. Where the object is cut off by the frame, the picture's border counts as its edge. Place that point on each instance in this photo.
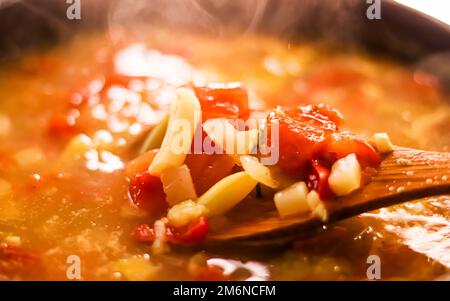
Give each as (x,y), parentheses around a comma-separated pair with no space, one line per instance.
(227,193)
(292,200)
(184,118)
(178,185)
(345,175)
(232,141)
(316,205)
(258,171)
(381,142)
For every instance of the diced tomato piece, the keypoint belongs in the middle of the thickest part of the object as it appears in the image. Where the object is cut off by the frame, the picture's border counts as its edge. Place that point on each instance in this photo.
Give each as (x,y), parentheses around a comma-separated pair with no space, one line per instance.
(317,178)
(302,133)
(140,164)
(227,101)
(332,114)
(144,233)
(311,132)
(147,193)
(207,170)
(61,125)
(343,144)
(193,234)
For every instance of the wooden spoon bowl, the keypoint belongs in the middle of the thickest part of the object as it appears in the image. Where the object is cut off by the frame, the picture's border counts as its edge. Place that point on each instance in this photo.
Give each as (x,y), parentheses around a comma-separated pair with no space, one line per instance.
(405,174)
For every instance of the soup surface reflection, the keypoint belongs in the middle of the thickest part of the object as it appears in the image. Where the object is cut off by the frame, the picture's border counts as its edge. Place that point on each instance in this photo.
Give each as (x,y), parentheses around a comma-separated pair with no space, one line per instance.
(55,204)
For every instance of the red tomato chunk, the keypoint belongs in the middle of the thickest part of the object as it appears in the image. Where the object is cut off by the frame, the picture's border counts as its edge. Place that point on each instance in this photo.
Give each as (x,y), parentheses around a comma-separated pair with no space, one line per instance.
(311,132)
(227,101)
(147,193)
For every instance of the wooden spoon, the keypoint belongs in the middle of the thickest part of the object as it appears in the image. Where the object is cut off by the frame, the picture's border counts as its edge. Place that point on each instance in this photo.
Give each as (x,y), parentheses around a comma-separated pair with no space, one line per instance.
(405,174)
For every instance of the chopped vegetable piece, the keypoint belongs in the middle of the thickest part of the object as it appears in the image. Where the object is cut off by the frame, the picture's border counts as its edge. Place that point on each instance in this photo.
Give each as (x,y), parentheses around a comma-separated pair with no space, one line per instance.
(160,245)
(140,164)
(194,233)
(343,144)
(228,101)
(302,135)
(258,171)
(311,132)
(232,141)
(316,205)
(345,175)
(178,185)
(382,142)
(177,141)
(183,213)
(207,170)
(227,193)
(292,200)
(147,193)
(317,178)
(156,136)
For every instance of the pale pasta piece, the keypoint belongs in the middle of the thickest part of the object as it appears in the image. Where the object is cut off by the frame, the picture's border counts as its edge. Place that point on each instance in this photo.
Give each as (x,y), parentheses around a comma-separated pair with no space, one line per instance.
(227,193)
(156,135)
(184,119)
(231,141)
(258,171)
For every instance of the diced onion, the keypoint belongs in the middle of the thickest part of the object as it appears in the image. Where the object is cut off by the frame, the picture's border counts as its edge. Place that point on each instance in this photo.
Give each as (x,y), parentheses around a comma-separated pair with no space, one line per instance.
(227,193)
(316,205)
(292,200)
(345,175)
(232,141)
(258,171)
(185,212)
(178,185)
(184,119)
(381,142)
